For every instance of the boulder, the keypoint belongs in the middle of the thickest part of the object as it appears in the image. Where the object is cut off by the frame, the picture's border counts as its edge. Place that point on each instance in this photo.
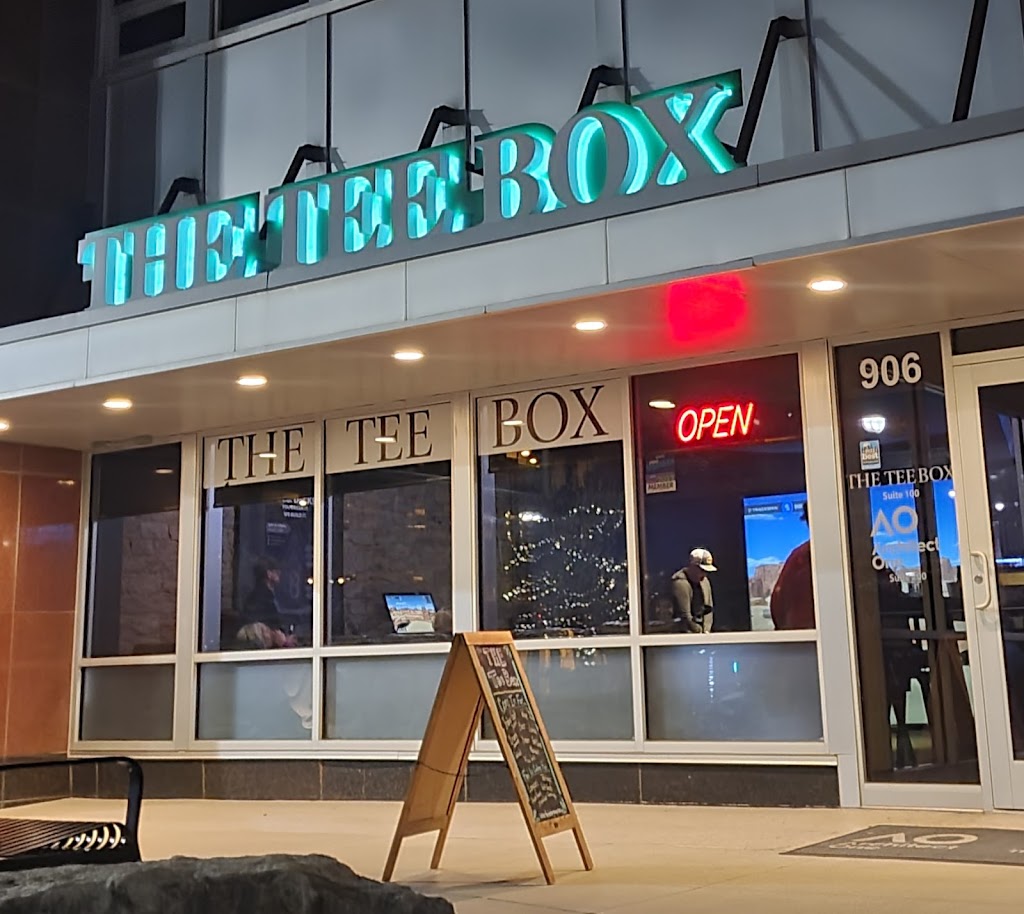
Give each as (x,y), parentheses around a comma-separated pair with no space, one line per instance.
(248,885)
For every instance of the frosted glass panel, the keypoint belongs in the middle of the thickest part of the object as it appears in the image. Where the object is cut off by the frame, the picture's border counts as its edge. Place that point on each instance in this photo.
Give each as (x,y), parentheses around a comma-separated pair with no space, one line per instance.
(127,703)
(388,78)
(381,697)
(583,694)
(727,692)
(674,41)
(267,98)
(255,701)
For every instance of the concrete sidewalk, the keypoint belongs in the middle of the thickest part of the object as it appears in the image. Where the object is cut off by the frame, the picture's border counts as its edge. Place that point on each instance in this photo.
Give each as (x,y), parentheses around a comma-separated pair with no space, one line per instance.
(650,860)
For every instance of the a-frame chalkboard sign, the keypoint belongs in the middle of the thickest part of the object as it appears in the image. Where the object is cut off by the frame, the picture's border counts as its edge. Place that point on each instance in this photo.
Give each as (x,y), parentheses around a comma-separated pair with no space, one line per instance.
(484,671)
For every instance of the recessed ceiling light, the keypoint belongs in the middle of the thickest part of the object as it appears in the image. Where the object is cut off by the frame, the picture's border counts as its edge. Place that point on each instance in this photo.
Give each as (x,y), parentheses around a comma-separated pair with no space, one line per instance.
(66,482)
(513,423)
(873,425)
(164,471)
(590,325)
(5,426)
(408,355)
(386,439)
(252,380)
(267,455)
(524,453)
(117,404)
(533,461)
(827,284)
(661,404)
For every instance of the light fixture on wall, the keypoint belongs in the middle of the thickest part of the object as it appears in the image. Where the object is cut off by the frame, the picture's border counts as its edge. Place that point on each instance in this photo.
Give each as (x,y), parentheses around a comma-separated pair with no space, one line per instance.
(118,404)
(267,455)
(386,439)
(827,284)
(407,355)
(164,471)
(873,425)
(251,381)
(999,506)
(5,426)
(513,423)
(590,325)
(661,404)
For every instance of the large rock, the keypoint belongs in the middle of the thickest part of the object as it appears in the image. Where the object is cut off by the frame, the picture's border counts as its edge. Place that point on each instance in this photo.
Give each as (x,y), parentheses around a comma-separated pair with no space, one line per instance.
(253,885)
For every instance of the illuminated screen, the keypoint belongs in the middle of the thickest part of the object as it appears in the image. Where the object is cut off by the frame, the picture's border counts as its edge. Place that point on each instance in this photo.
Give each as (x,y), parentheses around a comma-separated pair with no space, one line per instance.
(411,612)
(773,526)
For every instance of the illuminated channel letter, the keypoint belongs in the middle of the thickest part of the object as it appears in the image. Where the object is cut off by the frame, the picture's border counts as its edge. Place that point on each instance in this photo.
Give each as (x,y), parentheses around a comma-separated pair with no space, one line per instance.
(314,213)
(156,251)
(120,253)
(673,171)
(232,238)
(185,271)
(435,181)
(604,151)
(368,209)
(516,171)
(702,133)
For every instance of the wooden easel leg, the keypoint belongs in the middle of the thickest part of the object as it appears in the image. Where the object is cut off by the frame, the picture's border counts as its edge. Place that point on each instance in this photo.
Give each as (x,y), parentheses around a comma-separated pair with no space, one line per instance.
(581,843)
(435,861)
(389,867)
(542,856)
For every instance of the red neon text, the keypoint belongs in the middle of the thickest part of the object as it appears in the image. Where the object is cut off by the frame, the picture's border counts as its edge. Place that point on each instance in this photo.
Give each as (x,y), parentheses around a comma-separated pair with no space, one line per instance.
(730,420)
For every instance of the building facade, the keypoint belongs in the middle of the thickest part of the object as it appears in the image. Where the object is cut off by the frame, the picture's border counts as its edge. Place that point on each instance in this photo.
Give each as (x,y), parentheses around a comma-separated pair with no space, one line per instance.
(412,318)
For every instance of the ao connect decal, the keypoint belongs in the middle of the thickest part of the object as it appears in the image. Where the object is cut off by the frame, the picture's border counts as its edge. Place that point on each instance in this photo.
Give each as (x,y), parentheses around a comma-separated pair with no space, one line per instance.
(610,150)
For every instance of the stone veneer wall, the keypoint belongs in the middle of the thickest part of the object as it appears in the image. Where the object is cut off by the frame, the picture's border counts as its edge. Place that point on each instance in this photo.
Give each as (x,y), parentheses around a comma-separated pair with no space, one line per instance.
(40,506)
(149,583)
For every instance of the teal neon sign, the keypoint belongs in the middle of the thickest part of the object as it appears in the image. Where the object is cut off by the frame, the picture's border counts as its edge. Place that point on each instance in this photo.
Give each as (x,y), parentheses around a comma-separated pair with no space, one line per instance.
(606,152)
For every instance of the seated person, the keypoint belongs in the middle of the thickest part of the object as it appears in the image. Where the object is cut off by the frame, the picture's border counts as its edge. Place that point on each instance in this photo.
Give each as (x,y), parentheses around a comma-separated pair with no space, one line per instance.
(262,623)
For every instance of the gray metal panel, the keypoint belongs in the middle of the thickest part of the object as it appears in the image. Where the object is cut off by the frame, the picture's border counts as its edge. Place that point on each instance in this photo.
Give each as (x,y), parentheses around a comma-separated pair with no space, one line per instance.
(326,309)
(266,99)
(946,185)
(196,334)
(525,268)
(58,360)
(386,81)
(779,217)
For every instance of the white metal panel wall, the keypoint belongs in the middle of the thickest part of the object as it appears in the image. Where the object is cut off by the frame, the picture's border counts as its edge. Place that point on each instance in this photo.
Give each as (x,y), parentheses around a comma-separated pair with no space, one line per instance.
(672,42)
(388,78)
(529,60)
(887,68)
(156,135)
(266,98)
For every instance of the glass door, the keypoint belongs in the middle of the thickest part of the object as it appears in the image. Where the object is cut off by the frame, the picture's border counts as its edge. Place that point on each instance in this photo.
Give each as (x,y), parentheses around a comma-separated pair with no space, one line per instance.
(990,406)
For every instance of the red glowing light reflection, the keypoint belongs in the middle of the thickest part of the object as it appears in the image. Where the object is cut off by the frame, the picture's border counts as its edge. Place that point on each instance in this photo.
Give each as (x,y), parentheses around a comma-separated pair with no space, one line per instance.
(707,310)
(727,420)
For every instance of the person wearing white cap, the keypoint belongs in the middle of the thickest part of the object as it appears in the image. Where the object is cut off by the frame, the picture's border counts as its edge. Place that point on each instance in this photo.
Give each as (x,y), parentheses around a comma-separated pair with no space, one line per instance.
(691,592)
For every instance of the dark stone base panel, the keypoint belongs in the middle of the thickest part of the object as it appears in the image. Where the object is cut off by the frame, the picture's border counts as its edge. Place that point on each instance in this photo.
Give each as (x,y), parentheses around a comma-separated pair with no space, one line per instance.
(487,782)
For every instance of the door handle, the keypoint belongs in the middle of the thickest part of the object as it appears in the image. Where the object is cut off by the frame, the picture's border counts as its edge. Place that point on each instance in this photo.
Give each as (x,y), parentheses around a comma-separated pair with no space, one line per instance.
(981,577)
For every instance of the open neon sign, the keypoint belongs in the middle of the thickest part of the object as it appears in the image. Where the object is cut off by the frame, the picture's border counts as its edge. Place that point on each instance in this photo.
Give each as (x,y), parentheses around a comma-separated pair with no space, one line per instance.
(722,422)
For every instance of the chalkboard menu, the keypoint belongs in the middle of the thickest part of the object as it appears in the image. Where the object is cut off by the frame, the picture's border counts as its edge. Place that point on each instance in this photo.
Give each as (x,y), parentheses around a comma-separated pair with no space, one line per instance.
(485,675)
(517,719)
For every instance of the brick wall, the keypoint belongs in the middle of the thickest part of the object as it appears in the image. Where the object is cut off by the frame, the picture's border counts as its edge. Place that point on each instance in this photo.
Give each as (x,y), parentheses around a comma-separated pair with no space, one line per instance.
(149,583)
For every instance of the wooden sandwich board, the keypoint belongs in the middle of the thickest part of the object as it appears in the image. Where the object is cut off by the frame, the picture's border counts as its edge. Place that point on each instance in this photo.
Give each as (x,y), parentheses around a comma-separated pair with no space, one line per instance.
(484,671)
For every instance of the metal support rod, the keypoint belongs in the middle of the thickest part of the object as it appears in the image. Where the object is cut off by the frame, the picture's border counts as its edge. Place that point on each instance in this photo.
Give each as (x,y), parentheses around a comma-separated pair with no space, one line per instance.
(307,153)
(601,76)
(627,83)
(467,85)
(812,71)
(191,187)
(972,53)
(782,27)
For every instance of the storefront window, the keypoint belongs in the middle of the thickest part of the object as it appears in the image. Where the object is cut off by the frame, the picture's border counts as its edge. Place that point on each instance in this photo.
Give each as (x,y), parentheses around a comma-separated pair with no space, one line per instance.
(389,527)
(723,499)
(552,514)
(133,576)
(257,580)
(913,662)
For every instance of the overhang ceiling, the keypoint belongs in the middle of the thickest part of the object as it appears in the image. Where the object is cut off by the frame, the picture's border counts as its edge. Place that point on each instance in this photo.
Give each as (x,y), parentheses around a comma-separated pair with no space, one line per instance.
(964,273)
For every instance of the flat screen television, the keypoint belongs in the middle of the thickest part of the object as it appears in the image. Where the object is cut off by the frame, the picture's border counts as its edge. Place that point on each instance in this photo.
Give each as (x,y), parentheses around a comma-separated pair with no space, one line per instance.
(773,526)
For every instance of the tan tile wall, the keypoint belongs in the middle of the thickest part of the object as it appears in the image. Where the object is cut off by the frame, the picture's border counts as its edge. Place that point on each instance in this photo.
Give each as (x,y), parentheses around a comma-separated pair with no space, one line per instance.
(40,508)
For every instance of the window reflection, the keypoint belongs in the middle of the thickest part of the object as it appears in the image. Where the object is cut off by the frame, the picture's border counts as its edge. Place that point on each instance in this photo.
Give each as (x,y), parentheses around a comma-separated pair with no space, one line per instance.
(553,542)
(258,566)
(390,554)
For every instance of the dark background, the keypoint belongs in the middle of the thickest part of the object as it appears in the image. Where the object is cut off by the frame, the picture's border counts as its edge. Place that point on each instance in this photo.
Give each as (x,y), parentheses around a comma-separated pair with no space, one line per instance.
(47,49)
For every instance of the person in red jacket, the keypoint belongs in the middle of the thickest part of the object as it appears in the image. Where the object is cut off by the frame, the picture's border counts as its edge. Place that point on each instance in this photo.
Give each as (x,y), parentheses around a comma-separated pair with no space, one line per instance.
(792,600)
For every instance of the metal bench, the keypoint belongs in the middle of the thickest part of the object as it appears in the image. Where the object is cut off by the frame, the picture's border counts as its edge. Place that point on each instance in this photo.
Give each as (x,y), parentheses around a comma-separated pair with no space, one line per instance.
(31,843)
